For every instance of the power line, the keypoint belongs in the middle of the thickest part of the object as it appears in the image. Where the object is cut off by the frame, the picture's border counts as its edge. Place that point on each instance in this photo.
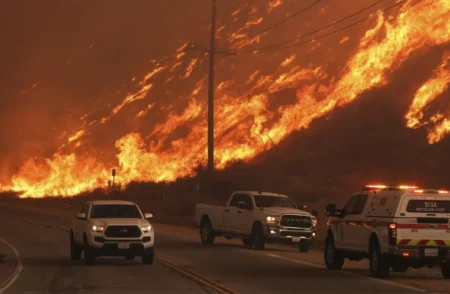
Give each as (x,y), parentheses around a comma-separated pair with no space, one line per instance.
(315,31)
(268,48)
(273,25)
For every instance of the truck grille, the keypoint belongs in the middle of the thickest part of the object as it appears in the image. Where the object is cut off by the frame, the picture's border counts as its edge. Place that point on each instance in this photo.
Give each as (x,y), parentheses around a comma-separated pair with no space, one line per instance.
(123,232)
(296,221)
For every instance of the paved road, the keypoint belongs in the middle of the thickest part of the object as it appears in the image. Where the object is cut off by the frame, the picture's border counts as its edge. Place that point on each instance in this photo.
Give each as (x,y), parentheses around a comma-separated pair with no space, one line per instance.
(47,269)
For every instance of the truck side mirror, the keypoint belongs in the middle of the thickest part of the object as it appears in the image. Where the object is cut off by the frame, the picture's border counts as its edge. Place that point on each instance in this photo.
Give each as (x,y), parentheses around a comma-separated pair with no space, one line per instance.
(315,213)
(331,209)
(81,216)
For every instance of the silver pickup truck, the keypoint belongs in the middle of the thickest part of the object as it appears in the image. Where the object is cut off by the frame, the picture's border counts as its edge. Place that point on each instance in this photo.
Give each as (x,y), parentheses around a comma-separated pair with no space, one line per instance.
(256,218)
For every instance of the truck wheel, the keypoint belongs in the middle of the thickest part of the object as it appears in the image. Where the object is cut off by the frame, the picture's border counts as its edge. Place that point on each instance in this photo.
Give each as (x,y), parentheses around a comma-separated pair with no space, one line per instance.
(75,250)
(148,256)
(334,259)
(129,257)
(445,269)
(206,233)
(379,263)
(399,265)
(247,242)
(303,246)
(89,254)
(258,240)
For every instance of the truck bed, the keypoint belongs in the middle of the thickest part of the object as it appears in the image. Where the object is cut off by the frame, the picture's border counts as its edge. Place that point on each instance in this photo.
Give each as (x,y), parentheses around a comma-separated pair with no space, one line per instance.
(213,212)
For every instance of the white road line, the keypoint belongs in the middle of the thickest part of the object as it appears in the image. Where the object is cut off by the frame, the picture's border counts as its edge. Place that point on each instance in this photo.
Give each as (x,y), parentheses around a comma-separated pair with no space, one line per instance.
(347,273)
(17,270)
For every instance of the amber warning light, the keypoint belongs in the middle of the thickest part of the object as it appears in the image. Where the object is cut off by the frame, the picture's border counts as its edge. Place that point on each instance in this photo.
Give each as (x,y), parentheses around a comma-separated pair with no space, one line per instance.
(375,187)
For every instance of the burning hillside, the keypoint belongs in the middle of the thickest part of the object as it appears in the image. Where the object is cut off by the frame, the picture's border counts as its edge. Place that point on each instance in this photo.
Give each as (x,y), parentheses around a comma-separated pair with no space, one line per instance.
(155,130)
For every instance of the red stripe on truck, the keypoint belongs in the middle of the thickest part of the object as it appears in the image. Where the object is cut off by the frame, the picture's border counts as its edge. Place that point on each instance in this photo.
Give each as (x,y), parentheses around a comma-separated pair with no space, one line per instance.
(423,242)
(404,242)
(440,242)
(422,226)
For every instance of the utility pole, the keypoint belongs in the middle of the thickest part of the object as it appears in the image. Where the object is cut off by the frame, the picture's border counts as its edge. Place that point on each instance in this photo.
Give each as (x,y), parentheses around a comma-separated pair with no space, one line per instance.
(212,51)
(211,88)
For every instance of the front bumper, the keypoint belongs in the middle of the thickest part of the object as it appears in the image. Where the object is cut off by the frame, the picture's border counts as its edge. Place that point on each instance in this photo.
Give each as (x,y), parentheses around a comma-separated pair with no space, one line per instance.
(419,253)
(104,246)
(112,249)
(289,234)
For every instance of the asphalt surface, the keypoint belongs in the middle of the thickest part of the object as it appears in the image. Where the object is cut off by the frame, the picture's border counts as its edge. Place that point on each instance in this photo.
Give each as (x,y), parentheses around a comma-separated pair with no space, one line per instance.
(44,252)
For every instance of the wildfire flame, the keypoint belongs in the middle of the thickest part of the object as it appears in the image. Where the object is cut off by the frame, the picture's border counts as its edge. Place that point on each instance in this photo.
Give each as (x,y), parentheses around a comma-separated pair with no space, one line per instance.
(426,94)
(244,119)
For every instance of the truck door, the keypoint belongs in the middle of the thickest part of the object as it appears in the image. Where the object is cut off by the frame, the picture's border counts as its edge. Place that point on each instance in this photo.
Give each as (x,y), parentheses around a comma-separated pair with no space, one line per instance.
(357,230)
(244,218)
(230,214)
(349,224)
(80,224)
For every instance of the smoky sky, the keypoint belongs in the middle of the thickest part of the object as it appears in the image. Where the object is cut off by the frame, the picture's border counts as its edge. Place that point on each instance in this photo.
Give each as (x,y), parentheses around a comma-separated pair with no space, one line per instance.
(48,43)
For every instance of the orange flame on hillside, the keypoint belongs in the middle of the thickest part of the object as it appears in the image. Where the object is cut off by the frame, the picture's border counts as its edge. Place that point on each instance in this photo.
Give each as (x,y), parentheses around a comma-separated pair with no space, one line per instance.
(426,94)
(242,120)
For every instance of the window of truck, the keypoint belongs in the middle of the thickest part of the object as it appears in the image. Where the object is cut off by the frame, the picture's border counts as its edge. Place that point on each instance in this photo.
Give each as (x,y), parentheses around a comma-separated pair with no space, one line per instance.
(428,206)
(265,201)
(115,211)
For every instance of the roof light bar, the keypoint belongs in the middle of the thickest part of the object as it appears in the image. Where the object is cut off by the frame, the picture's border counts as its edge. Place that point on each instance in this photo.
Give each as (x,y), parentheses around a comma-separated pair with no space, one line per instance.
(442,191)
(376,186)
(406,187)
(418,191)
(381,187)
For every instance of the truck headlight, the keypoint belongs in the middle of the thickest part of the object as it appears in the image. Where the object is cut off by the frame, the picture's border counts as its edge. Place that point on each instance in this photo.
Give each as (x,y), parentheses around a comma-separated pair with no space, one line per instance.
(272,220)
(98,228)
(314,223)
(147,229)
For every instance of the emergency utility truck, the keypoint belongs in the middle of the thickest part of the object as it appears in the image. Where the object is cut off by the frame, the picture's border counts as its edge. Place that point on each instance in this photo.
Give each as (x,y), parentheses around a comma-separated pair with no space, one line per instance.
(394,227)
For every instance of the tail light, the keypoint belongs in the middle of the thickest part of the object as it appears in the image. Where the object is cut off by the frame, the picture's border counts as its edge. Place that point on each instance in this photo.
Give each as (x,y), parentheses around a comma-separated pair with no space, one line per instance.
(392,234)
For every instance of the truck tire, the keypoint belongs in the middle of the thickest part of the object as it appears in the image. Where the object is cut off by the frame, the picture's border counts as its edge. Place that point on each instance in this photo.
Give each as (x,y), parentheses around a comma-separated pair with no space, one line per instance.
(75,250)
(148,256)
(379,263)
(89,254)
(258,239)
(445,269)
(303,245)
(206,233)
(399,265)
(129,257)
(247,242)
(334,259)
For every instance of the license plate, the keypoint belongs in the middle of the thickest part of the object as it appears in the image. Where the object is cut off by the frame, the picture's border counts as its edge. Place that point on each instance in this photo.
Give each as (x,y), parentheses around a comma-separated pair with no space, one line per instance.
(124,245)
(296,239)
(433,252)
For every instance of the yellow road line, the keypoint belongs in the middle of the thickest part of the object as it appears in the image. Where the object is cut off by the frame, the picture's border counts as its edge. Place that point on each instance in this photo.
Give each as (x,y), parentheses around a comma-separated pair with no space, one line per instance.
(204,281)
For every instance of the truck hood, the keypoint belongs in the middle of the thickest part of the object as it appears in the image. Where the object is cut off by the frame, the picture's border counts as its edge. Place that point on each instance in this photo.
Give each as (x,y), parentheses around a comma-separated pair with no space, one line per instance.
(120,221)
(273,211)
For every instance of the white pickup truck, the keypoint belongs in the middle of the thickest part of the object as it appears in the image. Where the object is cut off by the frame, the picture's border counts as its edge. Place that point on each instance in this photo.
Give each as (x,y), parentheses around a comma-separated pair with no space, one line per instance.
(111,228)
(256,218)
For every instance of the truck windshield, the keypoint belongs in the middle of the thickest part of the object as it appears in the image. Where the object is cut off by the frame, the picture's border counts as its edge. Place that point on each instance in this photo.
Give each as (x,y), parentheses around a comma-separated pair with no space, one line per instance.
(434,206)
(273,201)
(115,211)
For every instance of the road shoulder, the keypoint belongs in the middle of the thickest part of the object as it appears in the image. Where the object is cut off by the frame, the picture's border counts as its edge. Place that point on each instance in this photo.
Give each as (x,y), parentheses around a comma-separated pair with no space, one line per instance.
(10,265)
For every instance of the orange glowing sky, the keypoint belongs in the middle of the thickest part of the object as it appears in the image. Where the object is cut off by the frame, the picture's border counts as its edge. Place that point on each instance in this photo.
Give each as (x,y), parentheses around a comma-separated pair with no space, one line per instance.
(155,124)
